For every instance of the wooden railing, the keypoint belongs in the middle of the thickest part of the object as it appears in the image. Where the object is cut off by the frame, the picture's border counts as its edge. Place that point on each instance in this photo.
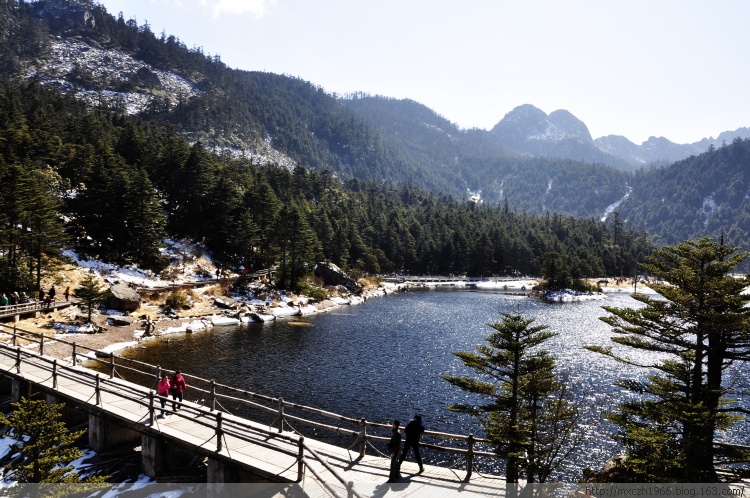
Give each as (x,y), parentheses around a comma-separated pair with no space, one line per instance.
(222,426)
(30,307)
(214,396)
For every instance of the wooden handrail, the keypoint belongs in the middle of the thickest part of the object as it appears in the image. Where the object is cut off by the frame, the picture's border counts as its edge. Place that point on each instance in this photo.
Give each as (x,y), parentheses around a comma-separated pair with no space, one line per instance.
(113,361)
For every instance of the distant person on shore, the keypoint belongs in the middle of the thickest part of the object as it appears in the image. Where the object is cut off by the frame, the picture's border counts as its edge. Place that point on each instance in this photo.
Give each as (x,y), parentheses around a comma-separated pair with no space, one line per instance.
(413,431)
(177,387)
(162,389)
(67,293)
(394,445)
(148,327)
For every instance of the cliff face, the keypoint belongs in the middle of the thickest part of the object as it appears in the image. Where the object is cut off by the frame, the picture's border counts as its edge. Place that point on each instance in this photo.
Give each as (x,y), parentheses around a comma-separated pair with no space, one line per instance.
(61,13)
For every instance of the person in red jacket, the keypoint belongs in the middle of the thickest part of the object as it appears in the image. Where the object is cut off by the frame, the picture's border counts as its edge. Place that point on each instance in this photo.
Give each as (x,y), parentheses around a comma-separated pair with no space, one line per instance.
(177,387)
(162,389)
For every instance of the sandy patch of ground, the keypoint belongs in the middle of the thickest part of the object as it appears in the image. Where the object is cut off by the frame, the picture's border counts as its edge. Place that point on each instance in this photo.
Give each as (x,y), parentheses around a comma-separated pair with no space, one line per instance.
(201,305)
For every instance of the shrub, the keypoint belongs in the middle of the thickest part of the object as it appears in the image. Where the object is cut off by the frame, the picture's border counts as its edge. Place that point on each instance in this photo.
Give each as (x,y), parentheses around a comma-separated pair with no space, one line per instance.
(316,293)
(177,299)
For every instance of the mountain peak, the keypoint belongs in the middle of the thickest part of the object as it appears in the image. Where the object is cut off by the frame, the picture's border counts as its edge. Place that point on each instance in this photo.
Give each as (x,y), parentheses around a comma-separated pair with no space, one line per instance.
(570,125)
(527,122)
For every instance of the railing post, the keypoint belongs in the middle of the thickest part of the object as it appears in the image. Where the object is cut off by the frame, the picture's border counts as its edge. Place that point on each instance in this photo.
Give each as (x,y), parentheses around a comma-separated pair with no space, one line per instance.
(158,374)
(469,456)
(350,489)
(41,344)
(18,359)
(362,438)
(219,432)
(98,392)
(151,406)
(111,365)
(74,354)
(54,373)
(212,398)
(300,458)
(14,336)
(281,415)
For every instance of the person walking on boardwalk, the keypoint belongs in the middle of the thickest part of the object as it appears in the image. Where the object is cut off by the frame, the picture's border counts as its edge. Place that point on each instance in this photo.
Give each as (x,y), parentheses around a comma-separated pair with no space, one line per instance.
(177,386)
(413,431)
(67,293)
(394,445)
(162,389)
(52,293)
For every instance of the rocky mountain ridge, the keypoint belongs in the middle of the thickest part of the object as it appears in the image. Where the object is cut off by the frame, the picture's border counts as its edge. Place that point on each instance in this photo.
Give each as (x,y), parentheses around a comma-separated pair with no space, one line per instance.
(111,78)
(527,130)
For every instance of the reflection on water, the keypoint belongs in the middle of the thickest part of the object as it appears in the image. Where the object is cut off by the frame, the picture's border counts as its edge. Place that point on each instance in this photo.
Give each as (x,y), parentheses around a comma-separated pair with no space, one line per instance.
(383,359)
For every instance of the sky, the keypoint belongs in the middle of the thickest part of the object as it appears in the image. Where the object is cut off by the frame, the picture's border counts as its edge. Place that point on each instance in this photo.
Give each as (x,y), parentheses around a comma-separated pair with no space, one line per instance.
(637,68)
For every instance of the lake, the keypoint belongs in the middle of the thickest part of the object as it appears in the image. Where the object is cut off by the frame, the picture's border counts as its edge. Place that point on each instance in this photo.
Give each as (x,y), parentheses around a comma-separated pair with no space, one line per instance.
(383,359)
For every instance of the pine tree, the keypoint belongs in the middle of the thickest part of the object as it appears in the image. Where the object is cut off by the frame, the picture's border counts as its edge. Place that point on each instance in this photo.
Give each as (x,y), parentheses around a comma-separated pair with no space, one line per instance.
(145,222)
(89,293)
(297,243)
(43,236)
(528,417)
(45,443)
(699,328)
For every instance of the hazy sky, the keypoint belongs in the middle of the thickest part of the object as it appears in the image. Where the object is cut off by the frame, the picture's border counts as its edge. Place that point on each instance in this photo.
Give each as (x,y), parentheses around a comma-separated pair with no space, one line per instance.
(638,68)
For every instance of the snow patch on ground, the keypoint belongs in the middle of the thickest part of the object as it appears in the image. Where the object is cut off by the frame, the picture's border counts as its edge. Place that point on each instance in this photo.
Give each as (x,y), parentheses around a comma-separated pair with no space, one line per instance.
(113,67)
(191,259)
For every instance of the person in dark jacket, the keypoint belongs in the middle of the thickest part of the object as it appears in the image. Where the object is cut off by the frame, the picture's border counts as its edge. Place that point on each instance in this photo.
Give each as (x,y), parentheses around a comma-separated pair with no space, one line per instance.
(413,430)
(394,445)
(177,386)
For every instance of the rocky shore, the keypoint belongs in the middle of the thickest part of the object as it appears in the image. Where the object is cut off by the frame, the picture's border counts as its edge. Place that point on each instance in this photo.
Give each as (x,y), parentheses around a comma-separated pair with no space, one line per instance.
(119,331)
(206,305)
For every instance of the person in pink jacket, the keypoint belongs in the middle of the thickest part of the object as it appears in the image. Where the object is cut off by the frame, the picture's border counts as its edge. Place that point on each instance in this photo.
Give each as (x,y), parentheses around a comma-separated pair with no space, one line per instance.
(177,387)
(162,389)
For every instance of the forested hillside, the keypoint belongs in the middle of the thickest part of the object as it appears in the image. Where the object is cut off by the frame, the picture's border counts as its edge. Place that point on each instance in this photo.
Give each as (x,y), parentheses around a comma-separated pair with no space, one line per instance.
(235,111)
(708,194)
(238,155)
(113,188)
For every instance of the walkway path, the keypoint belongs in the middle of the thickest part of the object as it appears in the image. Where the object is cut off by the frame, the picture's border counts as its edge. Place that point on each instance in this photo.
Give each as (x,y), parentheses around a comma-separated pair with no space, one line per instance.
(226,437)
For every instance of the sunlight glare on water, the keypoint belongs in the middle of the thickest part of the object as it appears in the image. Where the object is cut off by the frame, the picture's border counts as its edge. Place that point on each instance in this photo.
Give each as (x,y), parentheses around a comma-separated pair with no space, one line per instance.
(383,359)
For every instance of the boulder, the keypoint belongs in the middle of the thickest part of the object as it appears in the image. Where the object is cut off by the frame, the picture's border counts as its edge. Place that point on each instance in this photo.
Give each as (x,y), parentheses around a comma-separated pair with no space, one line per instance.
(225,302)
(123,298)
(122,320)
(334,276)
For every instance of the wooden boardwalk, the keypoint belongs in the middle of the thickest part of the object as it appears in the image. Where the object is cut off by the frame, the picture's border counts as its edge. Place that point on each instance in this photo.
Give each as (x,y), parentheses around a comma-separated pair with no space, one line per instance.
(31,307)
(320,468)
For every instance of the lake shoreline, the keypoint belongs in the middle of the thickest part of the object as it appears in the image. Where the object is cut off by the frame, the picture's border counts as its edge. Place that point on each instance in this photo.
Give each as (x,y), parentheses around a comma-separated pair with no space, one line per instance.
(119,337)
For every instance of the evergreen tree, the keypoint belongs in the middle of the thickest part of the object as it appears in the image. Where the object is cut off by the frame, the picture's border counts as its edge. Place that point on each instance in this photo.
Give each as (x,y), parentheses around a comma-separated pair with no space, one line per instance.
(89,293)
(42,236)
(297,244)
(46,445)
(145,222)
(527,412)
(700,328)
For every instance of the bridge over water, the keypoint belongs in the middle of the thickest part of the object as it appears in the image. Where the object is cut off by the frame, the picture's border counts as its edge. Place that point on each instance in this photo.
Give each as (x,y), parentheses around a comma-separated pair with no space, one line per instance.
(235,447)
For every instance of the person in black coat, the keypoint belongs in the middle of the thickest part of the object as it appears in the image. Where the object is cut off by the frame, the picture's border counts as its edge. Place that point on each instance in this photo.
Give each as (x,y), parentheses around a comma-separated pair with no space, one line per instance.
(394,445)
(413,430)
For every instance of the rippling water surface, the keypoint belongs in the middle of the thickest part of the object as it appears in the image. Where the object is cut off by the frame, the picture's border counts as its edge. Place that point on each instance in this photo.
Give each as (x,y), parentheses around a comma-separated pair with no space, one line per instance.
(383,359)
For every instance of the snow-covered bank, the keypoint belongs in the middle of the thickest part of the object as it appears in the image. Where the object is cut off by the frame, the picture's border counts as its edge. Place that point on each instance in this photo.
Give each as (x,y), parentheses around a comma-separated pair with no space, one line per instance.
(505,285)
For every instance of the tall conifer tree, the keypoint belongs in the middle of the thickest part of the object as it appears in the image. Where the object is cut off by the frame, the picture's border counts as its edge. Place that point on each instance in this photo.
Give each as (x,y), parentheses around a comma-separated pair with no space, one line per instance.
(699,329)
(528,418)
